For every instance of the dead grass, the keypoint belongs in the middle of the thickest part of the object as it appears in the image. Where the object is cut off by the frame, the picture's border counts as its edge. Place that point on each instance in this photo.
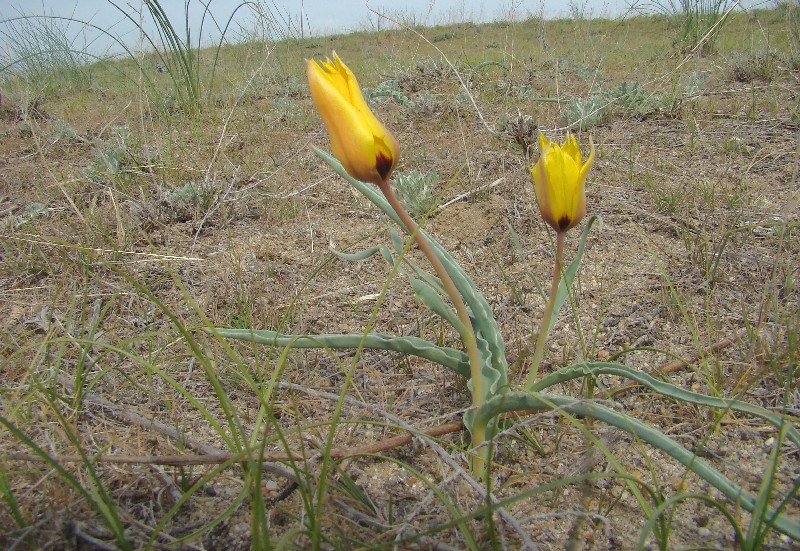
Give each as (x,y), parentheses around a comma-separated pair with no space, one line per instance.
(226,219)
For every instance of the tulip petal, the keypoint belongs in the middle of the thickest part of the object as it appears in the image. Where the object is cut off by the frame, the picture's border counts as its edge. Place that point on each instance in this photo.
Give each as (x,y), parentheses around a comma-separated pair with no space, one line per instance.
(559,180)
(361,143)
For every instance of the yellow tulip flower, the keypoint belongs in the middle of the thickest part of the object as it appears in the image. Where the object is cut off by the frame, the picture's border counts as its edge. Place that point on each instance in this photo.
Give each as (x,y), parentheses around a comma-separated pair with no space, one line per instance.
(362,144)
(559,177)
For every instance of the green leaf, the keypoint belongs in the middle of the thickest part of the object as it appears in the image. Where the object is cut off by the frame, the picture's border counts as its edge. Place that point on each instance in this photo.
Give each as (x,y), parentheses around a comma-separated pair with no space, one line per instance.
(514,401)
(362,255)
(414,346)
(593,369)
(434,301)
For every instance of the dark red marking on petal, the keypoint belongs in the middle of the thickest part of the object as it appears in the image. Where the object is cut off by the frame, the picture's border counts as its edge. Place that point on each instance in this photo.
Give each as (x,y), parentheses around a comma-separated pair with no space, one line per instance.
(383,164)
(563,222)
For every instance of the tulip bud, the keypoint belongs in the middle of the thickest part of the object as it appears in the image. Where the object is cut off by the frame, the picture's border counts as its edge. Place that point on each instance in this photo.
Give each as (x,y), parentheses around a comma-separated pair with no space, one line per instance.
(558,177)
(362,144)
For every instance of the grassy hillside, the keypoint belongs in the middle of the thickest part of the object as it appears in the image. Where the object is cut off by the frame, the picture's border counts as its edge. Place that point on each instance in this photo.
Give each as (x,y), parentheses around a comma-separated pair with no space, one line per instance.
(146,200)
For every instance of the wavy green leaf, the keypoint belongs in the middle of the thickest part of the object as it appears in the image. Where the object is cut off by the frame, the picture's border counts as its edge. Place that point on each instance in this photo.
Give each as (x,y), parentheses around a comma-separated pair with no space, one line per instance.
(593,369)
(514,401)
(361,255)
(414,346)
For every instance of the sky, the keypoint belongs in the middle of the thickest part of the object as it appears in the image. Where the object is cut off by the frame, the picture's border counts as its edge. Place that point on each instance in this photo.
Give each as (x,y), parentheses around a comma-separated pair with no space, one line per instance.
(298,17)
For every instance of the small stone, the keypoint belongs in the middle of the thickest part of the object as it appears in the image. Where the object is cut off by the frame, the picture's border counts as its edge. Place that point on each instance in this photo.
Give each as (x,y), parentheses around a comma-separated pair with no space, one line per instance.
(704,532)
(270,485)
(770,441)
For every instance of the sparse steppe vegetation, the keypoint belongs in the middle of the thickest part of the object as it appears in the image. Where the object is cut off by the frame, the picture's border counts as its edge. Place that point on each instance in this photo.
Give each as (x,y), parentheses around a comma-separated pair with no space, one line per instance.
(132,222)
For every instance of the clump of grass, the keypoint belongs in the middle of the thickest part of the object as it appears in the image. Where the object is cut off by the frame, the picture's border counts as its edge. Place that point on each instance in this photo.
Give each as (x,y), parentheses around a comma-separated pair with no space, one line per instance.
(790,9)
(45,52)
(443,36)
(760,66)
(667,199)
(179,56)
(414,189)
(699,22)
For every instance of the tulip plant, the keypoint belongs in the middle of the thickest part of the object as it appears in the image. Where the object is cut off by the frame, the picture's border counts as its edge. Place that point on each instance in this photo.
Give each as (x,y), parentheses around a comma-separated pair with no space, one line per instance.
(365,153)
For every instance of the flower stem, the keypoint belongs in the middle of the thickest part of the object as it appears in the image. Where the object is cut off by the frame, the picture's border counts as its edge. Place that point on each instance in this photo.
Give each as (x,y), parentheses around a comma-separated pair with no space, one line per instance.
(544,329)
(466,332)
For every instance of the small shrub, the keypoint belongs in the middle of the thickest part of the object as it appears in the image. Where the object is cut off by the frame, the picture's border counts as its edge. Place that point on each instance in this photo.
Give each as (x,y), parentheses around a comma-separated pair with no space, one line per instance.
(634,100)
(578,69)
(628,96)
(31,106)
(31,212)
(750,67)
(286,108)
(387,88)
(63,132)
(414,191)
(521,129)
(188,202)
(426,104)
(112,158)
(693,83)
(584,114)
(441,37)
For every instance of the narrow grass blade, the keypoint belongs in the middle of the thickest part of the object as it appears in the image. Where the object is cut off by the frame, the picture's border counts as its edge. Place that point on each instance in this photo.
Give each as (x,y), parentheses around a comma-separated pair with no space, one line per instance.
(572,270)
(104,509)
(757,530)
(677,499)
(11,500)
